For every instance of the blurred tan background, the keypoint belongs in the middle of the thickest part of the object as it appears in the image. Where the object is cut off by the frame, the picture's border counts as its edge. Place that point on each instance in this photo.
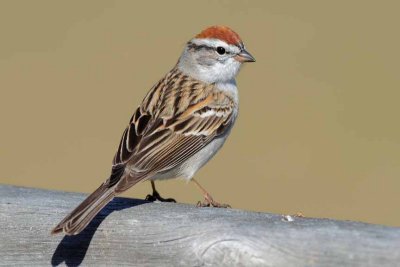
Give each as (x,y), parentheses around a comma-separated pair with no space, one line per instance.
(318,130)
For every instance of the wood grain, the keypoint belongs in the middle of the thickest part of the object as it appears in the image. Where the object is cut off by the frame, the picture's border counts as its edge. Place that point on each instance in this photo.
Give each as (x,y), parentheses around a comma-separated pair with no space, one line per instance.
(135,232)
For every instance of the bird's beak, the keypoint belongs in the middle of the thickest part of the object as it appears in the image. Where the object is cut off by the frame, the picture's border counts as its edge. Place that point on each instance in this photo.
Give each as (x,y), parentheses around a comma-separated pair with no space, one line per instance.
(244,56)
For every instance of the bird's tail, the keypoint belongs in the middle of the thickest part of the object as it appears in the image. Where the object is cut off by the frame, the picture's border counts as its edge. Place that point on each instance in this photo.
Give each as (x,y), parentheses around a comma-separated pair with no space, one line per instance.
(81,216)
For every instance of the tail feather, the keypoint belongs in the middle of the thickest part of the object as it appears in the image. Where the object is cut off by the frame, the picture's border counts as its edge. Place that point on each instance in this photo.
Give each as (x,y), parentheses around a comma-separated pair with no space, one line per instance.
(81,216)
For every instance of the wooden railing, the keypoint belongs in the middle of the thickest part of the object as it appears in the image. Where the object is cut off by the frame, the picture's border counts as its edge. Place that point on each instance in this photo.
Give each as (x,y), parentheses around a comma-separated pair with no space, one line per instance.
(135,232)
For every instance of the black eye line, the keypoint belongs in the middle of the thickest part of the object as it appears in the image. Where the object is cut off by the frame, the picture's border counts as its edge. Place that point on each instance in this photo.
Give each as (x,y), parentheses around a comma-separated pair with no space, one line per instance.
(199,47)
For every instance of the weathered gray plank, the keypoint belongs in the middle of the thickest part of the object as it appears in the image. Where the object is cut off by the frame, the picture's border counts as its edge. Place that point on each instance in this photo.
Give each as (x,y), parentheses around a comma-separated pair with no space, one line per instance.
(134,232)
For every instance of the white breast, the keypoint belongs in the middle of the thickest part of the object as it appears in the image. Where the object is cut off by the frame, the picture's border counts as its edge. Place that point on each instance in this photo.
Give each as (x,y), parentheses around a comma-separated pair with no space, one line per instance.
(230,88)
(193,164)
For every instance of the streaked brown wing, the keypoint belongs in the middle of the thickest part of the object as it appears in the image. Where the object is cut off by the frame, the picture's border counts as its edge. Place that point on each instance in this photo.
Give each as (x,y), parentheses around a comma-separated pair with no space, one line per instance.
(132,137)
(176,143)
(175,140)
(173,95)
(159,139)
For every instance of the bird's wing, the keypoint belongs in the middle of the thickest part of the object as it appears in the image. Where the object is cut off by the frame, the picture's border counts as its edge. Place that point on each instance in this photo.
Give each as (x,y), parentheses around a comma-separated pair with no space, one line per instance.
(177,119)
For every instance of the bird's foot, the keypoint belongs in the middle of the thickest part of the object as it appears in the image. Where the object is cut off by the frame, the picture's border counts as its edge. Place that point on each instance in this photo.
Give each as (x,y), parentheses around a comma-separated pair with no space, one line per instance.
(210,202)
(156,196)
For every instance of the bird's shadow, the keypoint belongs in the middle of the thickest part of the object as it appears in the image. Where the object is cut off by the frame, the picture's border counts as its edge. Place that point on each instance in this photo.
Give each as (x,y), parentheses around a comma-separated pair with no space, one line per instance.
(72,249)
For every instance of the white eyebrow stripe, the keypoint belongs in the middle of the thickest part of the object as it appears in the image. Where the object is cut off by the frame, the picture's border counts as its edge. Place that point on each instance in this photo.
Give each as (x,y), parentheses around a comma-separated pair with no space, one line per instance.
(215,43)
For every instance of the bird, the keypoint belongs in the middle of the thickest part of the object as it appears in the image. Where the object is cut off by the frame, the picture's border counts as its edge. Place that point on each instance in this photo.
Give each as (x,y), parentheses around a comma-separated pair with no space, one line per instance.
(179,126)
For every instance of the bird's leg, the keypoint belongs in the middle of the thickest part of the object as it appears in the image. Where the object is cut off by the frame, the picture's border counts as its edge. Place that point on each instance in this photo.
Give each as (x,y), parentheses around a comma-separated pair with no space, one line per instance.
(208,200)
(156,196)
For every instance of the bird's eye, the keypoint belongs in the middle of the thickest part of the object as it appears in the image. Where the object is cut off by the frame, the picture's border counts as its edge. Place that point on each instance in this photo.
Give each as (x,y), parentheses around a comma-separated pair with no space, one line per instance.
(220,50)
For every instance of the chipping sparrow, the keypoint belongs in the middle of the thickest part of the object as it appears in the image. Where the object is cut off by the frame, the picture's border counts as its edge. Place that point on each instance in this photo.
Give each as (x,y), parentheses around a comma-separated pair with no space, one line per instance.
(181,123)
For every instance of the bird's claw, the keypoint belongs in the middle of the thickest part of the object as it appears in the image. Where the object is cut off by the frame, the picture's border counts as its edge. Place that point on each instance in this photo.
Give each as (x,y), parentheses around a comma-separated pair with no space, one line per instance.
(156,196)
(209,202)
